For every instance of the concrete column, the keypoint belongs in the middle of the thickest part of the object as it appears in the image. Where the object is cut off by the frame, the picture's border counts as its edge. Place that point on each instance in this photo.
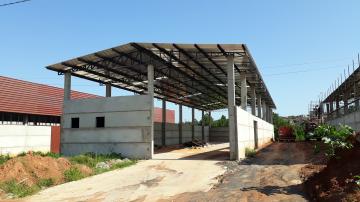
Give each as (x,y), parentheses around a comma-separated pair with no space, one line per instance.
(107,86)
(192,123)
(356,97)
(264,111)
(150,75)
(259,107)
(253,101)
(337,107)
(180,123)
(108,90)
(327,108)
(331,106)
(243,91)
(345,98)
(67,85)
(210,121)
(271,115)
(234,154)
(202,126)
(163,123)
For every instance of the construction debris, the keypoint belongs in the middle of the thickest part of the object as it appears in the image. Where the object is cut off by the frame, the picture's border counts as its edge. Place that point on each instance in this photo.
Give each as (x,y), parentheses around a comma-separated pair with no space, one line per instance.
(195,143)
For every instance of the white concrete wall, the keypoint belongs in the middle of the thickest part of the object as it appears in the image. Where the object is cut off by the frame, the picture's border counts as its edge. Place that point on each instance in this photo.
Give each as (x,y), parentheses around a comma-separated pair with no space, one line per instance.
(219,134)
(127,130)
(245,131)
(15,139)
(172,133)
(352,120)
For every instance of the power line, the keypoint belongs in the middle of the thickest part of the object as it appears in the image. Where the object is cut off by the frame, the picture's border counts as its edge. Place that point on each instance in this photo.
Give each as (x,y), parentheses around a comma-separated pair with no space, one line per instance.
(11,3)
(306,63)
(302,71)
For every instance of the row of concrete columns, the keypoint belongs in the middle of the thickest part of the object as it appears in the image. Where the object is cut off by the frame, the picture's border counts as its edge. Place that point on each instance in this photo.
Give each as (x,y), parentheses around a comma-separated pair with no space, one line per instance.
(180,124)
(264,111)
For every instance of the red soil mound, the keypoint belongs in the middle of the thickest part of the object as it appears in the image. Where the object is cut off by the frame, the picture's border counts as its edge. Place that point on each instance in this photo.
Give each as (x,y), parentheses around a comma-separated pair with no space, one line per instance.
(29,169)
(336,181)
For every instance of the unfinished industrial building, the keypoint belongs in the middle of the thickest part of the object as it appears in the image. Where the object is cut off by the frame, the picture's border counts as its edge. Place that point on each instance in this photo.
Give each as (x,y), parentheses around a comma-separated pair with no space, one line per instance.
(206,77)
(341,104)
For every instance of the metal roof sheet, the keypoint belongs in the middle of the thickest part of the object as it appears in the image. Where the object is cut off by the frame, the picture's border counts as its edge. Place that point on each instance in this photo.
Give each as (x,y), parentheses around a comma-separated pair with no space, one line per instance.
(190,74)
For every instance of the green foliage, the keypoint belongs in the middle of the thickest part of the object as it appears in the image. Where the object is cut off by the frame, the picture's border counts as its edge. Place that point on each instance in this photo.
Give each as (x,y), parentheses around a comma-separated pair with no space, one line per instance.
(4,158)
(337,138)
(333,138)
(222,122)
(116,166)
(45,182)
(18,189)
(279,122)
(73,174)
(21,154)
(207,119)
(250,152)
(357,179)
(299,132)
(91,159)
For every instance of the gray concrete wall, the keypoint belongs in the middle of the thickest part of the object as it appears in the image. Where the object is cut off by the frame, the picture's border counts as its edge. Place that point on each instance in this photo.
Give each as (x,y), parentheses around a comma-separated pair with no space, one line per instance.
(15,139)
(245,131)
(127,128)
(352,120)
(219,134)
(172,133)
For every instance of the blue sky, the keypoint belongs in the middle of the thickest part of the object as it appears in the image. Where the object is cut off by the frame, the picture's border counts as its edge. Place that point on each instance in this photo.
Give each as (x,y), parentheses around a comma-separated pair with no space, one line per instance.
(300,47)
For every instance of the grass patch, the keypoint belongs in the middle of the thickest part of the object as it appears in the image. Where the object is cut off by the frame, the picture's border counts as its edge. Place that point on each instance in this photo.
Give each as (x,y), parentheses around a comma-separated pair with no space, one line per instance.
(120,165)
(4,158)
(18,190)
(45,182)
(250,152)
(91,159)
(73,174)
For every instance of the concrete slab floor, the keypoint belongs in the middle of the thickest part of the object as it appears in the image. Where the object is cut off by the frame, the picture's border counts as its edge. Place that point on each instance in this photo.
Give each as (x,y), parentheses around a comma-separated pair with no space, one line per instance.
(168,174)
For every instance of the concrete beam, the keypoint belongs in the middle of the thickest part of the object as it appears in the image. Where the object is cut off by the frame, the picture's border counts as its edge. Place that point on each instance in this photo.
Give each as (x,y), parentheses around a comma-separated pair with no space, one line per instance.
(150,87)
(253,101)
(234,154)
(180,123)
(67,85)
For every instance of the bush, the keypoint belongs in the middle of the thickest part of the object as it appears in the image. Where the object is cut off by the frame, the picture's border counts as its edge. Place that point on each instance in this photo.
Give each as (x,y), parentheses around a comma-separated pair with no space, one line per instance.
(337,139)
(4,158)
(299,132)
(18,189)
(250,152)
(73,174)
(334,138)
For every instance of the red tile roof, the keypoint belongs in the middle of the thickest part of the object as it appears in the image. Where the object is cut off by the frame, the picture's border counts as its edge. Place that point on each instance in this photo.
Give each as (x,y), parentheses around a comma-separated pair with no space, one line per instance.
(20,96)
(26,97)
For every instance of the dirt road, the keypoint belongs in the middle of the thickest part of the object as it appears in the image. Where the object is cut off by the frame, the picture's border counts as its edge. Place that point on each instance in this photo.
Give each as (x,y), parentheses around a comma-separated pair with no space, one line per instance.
(273,175)
(197,175)
(168,174)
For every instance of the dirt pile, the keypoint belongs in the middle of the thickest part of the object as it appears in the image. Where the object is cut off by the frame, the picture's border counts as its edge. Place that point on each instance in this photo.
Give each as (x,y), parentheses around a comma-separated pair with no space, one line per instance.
(335,181)
(29,169)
